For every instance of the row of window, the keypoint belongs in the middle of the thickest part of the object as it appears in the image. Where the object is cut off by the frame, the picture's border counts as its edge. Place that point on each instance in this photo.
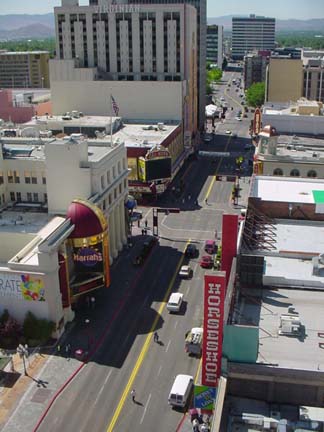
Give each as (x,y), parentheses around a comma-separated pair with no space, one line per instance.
(13,176)
(106,179)
(29,197)
(117,190)
(294,173)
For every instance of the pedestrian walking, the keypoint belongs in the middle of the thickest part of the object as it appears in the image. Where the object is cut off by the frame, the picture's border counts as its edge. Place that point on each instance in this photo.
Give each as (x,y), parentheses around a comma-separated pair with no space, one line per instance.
(68,350)
(93,302)
(143,231)
(189,197)
(133,394)
(195,425)
(156,337)
(145,223)
(58,348)
(206,201)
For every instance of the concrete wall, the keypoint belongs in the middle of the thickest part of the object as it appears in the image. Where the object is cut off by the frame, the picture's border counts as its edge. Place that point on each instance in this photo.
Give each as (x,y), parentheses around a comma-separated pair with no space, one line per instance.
(296,124)
(285,80)
(288,166)
(150,100)
(8,112)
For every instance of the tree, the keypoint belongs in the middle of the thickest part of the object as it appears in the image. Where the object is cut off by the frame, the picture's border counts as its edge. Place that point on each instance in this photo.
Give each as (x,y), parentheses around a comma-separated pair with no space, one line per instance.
(212,75)
(255,94)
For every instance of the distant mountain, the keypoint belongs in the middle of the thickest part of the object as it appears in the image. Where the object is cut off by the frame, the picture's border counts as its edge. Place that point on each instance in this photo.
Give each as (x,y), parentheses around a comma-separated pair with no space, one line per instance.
(281,25)
(26,26)
(32,31)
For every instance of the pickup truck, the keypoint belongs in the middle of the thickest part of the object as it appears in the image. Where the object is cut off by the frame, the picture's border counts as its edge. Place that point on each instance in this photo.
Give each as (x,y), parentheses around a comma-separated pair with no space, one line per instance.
(193,342)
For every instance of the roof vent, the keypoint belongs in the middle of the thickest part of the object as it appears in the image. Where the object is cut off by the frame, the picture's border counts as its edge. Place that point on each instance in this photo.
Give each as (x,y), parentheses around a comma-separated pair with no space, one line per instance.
(315,155)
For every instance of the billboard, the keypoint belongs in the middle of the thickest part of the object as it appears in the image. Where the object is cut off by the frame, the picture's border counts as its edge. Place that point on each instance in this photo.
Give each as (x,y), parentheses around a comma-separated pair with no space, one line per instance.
(88,259)
(157,169)
(22,286)
(214,297)
(204,397)
(257,121)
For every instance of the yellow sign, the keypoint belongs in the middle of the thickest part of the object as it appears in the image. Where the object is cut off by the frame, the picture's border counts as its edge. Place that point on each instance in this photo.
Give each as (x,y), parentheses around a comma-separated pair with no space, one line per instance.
(141,169)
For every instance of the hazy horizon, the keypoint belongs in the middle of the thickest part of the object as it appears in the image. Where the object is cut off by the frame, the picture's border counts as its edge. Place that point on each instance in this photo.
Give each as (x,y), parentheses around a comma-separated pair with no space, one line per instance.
(288,9)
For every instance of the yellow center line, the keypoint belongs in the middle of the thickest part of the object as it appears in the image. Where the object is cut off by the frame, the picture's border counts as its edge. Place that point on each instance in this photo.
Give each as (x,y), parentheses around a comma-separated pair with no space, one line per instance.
(144,350)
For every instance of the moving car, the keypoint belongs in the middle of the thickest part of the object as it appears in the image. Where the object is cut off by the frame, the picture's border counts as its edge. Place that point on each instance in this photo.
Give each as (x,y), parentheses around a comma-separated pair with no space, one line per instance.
(193,341)
(191,250)
(206,261)
(144,251)
(185,272)
(228,132)
(175,302)
(238,118)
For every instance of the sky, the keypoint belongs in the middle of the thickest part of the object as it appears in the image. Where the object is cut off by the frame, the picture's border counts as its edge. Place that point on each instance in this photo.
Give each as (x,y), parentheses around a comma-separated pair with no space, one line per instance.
(282,9)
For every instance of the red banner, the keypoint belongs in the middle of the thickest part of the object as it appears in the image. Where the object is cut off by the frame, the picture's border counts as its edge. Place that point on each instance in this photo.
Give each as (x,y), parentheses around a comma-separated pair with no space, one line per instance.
(214,297)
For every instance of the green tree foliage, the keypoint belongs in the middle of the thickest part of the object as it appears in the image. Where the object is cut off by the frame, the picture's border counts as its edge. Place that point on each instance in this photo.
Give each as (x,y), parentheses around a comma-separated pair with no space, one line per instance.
(212,75)
(37,329)
(30,45)
(255,94)
(301,39)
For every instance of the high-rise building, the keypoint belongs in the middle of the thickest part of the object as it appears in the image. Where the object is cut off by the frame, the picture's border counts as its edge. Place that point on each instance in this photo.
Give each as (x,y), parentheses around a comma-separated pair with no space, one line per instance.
(24,69)
(255,67)
(284,81)
(120,48)
(215,45)
(252,33)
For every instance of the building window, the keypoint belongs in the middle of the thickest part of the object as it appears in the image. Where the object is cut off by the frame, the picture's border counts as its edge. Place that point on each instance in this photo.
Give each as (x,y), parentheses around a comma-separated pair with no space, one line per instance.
(12,196)
(1,177)
(294,173)
(278,172)
(108,177)
(45,197)
(35,196)
(18,196)
(119,168)
(29,197)
(27,177)
(104,205)
(33,178)
(124,164)
(102,182)
(114,172)
(109,199)
(115,193)
(120,188)
(43,178)
(10,177)
(125,183)
(312,173)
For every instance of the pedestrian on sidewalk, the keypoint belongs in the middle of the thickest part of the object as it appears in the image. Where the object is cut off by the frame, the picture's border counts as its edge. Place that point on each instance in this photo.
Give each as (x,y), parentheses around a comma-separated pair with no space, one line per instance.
(93,302)
(145,223)
(133,394)
(143,231)
(68,351)
(195,425)
(206,201)
(156,336)
(58,348)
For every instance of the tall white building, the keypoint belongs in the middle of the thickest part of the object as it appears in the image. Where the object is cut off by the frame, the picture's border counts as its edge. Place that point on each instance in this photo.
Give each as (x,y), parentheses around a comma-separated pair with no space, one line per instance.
(252,33)
(109,47)
(215,46)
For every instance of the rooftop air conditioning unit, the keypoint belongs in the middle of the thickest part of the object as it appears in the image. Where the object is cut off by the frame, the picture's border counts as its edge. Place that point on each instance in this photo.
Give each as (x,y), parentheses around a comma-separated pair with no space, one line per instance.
(318,265)
(160,126)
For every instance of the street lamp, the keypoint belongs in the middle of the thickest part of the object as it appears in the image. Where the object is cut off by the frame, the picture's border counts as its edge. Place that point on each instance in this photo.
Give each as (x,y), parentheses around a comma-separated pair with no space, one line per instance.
(23,352)
(42,82)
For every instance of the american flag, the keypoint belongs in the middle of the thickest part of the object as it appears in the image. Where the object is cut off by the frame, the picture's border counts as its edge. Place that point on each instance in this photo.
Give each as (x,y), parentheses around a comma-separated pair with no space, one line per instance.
(114,105)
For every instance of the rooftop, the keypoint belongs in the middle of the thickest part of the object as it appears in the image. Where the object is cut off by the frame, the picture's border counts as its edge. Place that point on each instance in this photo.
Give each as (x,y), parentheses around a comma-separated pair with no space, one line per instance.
(147,135)
(287,351)
(286,189)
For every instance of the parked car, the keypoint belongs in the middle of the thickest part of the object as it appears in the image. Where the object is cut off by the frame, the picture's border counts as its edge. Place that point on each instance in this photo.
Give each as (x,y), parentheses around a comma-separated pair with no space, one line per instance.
(210,246)
(206,261)
(185,272)
(175,302)
(191,250)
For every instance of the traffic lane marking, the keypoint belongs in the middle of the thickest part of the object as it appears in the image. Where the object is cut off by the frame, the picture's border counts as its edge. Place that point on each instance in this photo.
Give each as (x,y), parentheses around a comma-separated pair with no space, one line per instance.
(168,345)
(145,408)
(143,352)
(102,388)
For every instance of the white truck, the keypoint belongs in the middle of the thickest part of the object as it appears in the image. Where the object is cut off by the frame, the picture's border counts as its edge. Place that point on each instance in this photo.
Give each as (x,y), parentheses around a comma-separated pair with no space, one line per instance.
(193,342)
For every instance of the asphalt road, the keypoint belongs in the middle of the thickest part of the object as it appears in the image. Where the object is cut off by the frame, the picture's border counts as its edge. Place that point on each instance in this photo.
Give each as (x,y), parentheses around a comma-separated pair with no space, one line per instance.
(98,398)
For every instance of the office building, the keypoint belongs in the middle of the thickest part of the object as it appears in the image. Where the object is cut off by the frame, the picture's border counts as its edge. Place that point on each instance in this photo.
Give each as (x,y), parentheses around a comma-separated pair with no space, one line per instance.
(24,69)
(252,33)
(284,81)
(214,45)
(314,78)
(255,67)
(144,54)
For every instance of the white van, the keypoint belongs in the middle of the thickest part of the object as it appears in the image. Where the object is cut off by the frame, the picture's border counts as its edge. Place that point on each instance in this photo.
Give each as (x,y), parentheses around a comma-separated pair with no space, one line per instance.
(181,390)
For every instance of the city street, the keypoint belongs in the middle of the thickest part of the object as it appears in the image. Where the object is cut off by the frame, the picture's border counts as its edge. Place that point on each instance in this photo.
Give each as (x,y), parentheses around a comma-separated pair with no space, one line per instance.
(118,331)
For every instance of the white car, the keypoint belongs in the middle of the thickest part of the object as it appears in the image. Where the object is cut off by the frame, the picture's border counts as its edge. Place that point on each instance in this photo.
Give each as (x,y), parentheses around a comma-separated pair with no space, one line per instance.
(185,272)
(175,302)
(238,118)
(222,98)
(228,132)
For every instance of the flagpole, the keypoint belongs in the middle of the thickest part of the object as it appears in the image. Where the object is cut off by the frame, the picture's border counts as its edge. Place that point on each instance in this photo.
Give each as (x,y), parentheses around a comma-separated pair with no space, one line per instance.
(111,128)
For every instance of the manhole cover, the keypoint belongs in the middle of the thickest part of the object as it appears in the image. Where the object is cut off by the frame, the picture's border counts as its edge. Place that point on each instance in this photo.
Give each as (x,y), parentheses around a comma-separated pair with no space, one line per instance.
(41,395)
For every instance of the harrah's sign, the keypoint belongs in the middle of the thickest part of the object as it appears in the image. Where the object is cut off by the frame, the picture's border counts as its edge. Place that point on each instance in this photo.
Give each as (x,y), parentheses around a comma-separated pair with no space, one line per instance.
(213,329)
